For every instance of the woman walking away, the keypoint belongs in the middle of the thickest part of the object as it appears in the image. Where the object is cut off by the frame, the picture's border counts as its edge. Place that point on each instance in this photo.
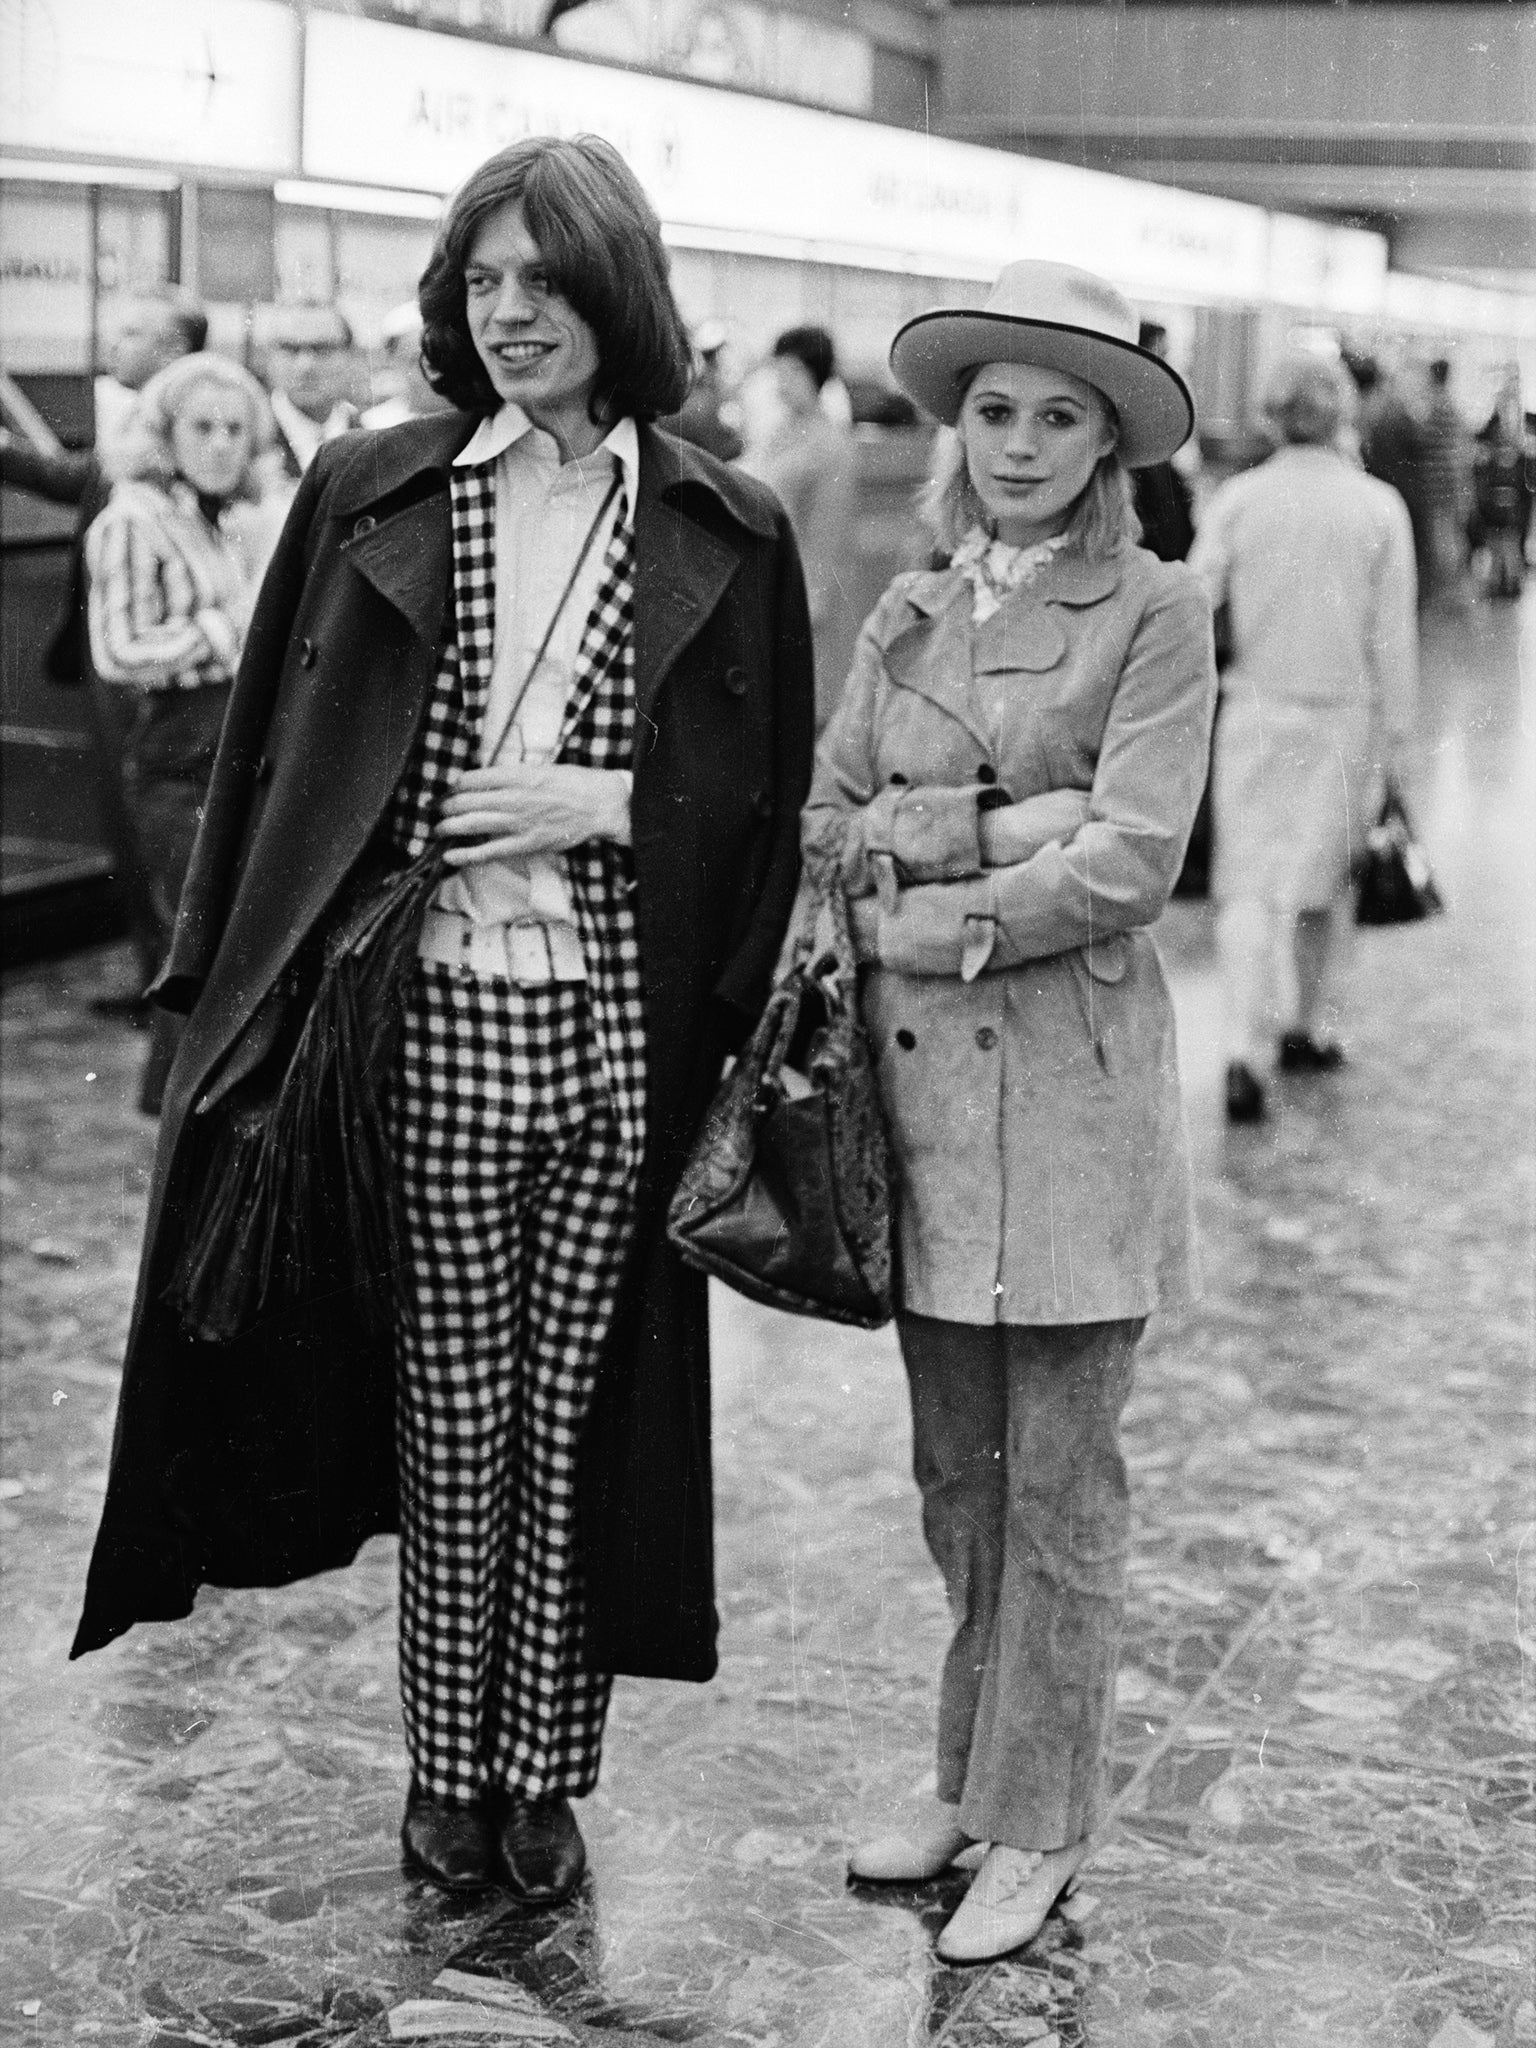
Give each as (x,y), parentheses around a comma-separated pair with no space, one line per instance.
(537,677)
(173,565)
(1008,786)
(1314,562)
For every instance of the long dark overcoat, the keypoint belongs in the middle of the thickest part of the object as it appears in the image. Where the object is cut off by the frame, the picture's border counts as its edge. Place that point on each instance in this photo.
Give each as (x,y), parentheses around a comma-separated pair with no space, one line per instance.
(265,1460)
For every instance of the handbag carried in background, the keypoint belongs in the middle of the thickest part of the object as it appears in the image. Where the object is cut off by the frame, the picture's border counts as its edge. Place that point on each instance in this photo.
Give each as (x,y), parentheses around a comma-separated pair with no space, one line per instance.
(787,1194)
(1393,884)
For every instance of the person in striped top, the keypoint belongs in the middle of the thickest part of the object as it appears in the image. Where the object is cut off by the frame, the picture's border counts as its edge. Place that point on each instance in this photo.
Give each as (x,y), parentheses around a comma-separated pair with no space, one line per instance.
(173,563)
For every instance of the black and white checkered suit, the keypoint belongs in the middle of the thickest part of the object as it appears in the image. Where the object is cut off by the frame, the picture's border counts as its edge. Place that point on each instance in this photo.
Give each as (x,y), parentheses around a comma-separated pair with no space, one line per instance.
(518,1121)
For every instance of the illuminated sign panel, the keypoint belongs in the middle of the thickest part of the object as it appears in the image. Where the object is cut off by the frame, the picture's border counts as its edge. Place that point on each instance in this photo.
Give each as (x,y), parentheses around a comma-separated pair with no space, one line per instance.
(1329,269)
(210,82)
(395,106)
(45,280)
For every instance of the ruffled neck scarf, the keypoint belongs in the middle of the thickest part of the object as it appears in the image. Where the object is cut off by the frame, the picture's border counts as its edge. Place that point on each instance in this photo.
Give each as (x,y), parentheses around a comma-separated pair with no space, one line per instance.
(994,570)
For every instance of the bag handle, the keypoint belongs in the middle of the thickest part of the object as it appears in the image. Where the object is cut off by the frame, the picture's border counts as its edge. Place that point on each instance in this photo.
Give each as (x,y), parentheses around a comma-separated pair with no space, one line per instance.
(823,899)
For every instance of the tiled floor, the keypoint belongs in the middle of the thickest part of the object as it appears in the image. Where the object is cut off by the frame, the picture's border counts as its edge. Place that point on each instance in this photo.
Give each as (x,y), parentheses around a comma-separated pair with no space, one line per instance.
(1325,1820)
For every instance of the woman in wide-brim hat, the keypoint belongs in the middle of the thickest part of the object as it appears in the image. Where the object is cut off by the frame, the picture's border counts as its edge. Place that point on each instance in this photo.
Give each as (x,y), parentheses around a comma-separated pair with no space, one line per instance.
(1007,788)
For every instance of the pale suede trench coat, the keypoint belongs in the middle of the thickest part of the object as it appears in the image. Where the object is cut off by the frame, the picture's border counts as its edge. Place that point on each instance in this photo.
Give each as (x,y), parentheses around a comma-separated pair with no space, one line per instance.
(1020,1018)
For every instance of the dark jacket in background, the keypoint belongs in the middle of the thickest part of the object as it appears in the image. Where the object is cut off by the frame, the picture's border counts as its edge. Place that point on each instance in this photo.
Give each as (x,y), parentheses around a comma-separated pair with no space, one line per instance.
(1166,508)
(699,419)
(1392,447)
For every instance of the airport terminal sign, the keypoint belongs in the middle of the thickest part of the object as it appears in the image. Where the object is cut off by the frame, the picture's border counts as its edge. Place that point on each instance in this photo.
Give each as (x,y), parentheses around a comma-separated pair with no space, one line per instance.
(399,107)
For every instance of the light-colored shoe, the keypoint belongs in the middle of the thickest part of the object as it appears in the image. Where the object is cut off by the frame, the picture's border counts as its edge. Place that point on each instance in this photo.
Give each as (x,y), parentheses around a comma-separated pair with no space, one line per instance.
(911,1854)
(1008,1901)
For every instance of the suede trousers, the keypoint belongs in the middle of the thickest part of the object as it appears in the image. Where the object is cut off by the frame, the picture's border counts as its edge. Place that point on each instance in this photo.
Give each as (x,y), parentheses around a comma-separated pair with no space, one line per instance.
(1026,1510)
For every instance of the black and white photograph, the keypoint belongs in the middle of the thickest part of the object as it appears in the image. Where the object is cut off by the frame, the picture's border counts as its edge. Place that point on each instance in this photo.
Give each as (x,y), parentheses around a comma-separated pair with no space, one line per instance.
(768,1023)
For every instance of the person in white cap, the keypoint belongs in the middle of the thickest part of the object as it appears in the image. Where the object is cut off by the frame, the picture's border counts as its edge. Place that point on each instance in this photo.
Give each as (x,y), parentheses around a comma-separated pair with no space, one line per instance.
(400,387)
(1007,788)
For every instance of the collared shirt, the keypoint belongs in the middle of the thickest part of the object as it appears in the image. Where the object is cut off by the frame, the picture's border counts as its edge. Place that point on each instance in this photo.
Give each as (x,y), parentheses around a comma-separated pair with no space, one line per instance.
(304,435)
(523,910)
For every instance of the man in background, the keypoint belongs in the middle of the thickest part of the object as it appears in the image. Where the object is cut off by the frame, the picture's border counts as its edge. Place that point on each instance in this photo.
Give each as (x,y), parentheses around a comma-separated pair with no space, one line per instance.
(150,333)
(1447,488)
(807,457)
(306,357)
(1165,504)
(400,387)
(701,417)
(1392,448)
(150,330)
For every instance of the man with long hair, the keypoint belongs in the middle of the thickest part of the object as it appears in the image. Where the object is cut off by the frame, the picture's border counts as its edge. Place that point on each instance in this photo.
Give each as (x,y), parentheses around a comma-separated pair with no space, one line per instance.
(564,660)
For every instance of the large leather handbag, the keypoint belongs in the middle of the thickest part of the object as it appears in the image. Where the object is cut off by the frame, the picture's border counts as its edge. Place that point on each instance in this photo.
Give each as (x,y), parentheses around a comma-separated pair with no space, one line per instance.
(787,1194)
(1393,884)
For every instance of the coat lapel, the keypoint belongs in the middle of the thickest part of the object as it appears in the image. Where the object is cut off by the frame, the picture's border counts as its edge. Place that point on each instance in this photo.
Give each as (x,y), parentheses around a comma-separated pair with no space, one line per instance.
(931,652)
(937,651)
(1070,579)
(1027,631)
(682,569)
(400,538)
(1023,635)
(407,557)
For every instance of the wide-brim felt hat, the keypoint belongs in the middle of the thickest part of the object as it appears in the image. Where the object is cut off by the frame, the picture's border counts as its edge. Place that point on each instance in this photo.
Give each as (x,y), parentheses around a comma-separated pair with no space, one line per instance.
(1057,318)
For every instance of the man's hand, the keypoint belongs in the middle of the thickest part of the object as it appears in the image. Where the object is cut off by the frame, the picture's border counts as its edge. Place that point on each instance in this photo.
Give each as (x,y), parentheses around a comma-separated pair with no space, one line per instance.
(518,808)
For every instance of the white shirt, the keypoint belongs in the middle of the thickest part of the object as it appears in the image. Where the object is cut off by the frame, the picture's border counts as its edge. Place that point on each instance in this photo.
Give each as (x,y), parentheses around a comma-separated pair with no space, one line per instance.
(523,911)
(304,435)
(115,409)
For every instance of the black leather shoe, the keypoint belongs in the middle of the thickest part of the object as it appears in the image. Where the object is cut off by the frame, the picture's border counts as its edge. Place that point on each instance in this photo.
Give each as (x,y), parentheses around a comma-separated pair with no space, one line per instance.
(1245,1095)
(538,1846)
(1300,1053)
(447,1843)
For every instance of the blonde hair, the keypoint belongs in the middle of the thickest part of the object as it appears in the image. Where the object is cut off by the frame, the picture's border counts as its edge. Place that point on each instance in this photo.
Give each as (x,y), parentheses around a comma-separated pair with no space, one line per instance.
(1103,520)
(148,453)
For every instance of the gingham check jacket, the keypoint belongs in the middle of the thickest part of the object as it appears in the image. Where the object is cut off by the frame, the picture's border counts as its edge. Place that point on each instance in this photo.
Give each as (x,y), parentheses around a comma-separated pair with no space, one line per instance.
(597,732)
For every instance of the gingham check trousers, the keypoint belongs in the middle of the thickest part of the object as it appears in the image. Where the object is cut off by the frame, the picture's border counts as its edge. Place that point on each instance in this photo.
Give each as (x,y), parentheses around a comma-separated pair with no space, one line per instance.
(517,1125)
(516,1202)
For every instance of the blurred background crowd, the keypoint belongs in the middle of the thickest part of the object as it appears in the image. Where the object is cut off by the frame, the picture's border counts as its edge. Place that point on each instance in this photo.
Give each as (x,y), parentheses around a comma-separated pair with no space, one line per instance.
(844,451)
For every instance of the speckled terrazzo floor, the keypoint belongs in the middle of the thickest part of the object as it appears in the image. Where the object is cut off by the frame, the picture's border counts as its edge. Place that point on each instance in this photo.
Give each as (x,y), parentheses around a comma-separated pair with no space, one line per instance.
(1325,1819)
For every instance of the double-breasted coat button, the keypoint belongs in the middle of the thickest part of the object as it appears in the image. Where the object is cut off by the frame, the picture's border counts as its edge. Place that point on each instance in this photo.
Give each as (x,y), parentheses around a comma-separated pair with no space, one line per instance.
(364,525)
(736,681)
(264,768)
(306,653)
(762,803)
(986,1038)
(906,1039)
(986,772)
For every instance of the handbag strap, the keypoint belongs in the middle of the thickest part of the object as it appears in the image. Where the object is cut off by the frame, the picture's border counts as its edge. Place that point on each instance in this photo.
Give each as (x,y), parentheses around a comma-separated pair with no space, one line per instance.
(823,896)
(554,619)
